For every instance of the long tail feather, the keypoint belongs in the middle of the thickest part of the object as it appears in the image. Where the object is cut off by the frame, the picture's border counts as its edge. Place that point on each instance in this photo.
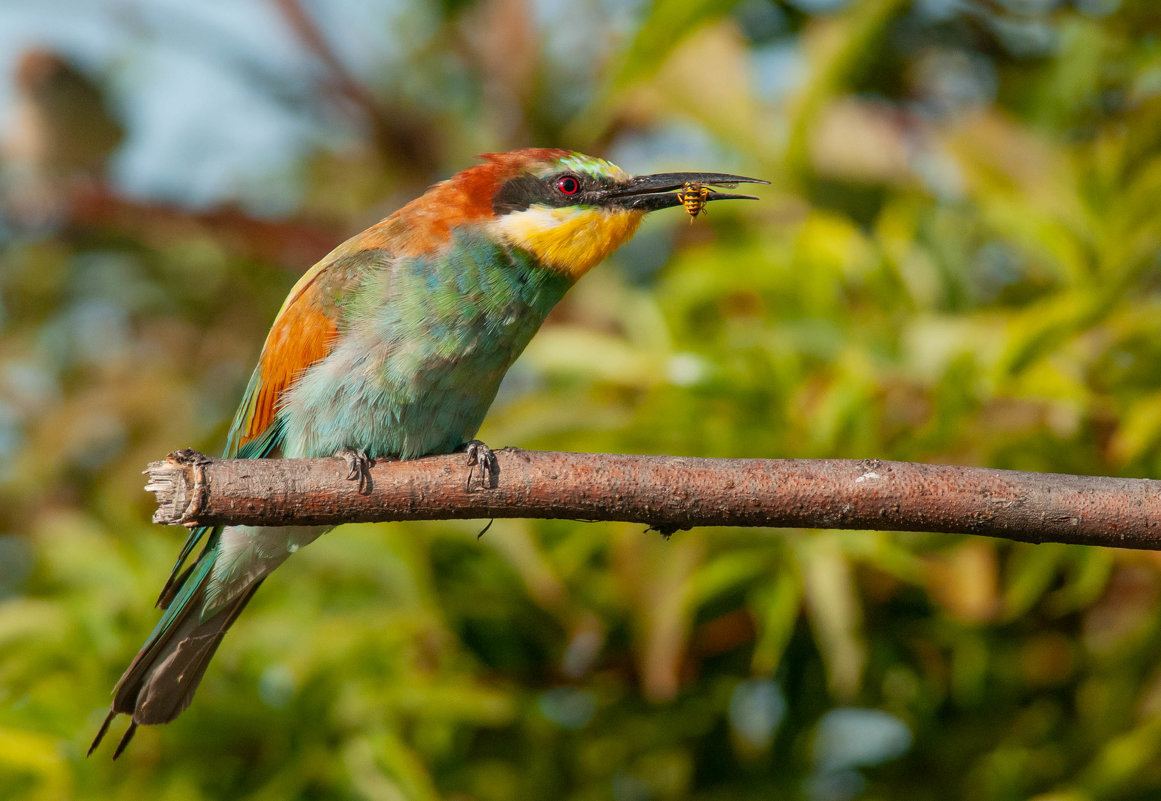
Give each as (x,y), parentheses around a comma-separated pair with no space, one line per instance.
(173,587)
(177,576)
(101,732)
(160,682)
(125,738)
(157,688)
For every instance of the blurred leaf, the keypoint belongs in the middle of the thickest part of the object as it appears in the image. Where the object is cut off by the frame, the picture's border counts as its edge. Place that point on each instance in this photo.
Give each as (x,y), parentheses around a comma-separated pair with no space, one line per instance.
(30,762)
(777,605)
(661,30)
(834,611)
(1031,572)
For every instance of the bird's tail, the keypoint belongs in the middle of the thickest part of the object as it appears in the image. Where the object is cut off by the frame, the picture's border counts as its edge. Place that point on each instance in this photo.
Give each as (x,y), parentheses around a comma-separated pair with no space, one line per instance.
(160,682)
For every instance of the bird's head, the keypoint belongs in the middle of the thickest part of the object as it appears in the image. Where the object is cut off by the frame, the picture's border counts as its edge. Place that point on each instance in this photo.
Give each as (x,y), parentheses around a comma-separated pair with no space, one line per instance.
(568,209)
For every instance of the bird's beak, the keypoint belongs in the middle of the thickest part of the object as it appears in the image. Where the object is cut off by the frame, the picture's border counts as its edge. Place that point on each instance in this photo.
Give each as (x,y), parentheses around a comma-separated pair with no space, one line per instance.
(660,191)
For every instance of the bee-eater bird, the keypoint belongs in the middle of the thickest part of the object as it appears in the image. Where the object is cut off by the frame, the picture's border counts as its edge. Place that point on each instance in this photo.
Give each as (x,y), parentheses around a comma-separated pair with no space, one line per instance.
(393,347)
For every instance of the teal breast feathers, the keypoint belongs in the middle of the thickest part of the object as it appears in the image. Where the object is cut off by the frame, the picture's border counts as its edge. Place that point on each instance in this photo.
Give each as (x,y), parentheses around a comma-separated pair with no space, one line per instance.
(432,351)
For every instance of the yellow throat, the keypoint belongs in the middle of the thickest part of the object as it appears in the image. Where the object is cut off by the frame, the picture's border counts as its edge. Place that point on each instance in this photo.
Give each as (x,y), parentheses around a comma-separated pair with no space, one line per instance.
(571,240)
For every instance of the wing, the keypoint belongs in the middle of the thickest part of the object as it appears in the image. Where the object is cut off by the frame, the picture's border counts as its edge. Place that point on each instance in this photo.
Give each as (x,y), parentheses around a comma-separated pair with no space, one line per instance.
(304,332)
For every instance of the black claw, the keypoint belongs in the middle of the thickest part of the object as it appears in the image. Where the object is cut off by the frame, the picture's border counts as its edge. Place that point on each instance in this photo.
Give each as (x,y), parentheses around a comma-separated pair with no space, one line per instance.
(200,491)
(480,455)
(190,456)
(358,468)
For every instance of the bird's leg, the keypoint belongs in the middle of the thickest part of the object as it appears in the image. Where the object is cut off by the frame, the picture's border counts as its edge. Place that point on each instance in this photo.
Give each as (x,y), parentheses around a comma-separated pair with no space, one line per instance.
(358,468)
(481,455)
(200,491)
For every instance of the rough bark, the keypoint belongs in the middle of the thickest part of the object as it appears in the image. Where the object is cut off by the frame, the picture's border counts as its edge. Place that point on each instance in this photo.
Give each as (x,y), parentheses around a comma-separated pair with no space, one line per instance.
(667,493)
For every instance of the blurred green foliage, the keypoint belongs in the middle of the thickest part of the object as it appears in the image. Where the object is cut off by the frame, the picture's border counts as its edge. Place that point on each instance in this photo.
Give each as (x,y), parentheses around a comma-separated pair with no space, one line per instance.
(957,262)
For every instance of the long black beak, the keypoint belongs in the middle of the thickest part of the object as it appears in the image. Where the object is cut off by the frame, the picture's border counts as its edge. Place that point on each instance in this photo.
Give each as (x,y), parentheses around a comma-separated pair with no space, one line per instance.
(660,191)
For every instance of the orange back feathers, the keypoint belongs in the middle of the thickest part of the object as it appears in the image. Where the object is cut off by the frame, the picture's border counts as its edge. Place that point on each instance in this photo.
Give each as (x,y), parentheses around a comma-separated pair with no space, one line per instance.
(424,224)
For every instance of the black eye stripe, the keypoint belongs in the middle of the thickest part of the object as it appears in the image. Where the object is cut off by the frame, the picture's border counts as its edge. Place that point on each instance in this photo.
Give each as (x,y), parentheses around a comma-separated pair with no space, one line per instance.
(524,191)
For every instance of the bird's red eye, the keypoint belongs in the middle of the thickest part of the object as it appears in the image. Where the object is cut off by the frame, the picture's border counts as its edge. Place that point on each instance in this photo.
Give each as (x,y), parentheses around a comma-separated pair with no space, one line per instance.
(568,184)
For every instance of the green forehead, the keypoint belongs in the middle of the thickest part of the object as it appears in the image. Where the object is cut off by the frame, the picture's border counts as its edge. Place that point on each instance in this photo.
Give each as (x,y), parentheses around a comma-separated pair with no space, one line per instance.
(587,165)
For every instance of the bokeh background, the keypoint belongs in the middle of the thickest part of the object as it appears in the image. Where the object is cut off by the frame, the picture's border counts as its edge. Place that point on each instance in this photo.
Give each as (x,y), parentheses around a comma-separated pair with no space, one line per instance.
(957,262)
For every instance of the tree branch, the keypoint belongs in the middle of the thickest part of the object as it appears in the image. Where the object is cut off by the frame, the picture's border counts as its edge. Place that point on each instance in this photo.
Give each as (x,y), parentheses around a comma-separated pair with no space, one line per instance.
(667,493)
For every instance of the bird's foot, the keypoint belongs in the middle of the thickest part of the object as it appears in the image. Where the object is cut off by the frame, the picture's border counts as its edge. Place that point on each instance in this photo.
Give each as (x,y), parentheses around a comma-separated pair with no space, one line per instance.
(480,455)
(358,468)
(200,491)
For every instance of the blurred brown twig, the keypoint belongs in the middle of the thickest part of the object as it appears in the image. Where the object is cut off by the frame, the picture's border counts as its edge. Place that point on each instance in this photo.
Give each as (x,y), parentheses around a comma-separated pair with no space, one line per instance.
(289,243)
(397,130)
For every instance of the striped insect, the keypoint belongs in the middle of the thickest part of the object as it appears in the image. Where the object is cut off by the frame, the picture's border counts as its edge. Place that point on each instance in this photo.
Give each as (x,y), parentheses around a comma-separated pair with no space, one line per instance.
(694,197)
